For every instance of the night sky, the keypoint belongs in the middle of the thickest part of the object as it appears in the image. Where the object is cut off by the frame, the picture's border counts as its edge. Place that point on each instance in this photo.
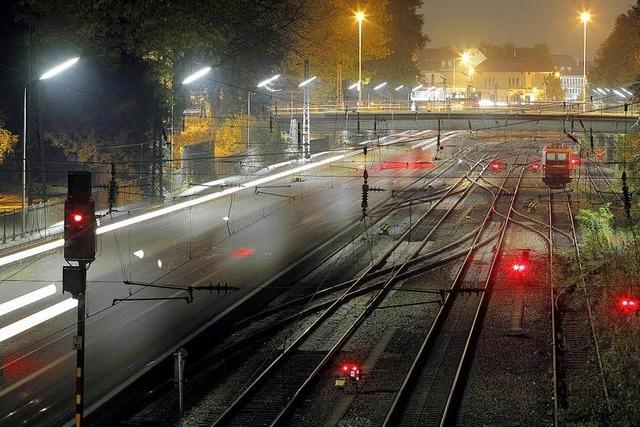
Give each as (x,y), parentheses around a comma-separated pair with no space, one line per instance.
(464,23)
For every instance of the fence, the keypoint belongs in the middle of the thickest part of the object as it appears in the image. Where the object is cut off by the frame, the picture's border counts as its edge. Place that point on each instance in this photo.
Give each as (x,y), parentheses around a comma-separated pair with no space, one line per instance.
(40,218)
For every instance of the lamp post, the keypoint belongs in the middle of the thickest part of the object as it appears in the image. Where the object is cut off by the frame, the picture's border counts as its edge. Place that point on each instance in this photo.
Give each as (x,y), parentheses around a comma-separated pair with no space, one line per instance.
(585,17)
(360,18)
(306,121)
(46,75)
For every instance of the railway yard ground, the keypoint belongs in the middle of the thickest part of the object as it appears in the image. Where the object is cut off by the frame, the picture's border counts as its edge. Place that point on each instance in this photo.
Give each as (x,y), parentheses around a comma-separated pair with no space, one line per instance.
(419,315)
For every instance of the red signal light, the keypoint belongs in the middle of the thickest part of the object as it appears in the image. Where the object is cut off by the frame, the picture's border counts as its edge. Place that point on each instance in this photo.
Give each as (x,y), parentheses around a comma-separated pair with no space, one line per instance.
(77,217)
(519,268)
(495,166)
(629,304)
(535,167)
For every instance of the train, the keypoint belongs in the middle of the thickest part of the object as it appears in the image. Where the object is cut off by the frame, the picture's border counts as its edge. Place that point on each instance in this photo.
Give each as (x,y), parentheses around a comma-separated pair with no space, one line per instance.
(557,165)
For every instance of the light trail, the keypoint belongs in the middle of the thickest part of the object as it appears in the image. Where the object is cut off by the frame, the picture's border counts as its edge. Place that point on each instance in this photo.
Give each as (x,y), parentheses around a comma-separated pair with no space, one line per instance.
(37,318)
(26,299)
(37,250)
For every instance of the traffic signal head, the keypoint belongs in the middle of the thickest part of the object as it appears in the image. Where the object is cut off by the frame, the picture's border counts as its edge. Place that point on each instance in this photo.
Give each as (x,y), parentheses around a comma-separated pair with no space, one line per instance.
(79,219)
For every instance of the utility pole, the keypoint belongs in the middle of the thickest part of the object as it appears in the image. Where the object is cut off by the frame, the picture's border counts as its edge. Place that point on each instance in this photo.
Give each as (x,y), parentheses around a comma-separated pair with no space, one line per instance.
(80,247)
(339,92)
(248,119)
(306,124)
(113,188)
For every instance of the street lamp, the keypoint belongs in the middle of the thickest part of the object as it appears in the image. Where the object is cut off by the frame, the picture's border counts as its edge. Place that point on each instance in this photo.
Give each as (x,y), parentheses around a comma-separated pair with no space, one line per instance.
(585,17)
(306,117)
(267,82)
(360,17)
(195,76)
(46,75)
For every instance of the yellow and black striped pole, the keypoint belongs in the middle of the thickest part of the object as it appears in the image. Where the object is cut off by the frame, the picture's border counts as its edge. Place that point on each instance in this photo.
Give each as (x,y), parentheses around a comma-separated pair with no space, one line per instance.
(79,345)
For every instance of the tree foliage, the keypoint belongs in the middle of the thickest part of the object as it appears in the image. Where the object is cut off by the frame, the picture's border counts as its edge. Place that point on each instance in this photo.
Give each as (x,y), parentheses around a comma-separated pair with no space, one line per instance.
(7,142)
(553,88)
(618,59)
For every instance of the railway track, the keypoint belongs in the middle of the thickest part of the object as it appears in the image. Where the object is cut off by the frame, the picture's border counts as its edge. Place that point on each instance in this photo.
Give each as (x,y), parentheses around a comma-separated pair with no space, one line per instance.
(433,382)
(580,388)
(259,388)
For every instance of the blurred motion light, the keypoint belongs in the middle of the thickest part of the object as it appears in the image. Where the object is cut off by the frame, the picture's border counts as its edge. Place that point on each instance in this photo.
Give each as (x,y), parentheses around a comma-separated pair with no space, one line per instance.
(26,299)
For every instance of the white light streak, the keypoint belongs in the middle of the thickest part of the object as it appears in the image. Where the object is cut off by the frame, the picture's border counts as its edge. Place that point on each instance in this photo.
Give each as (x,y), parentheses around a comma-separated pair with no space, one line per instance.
(626,91)
(35,319)
(620,94)
(139,253)
(8,259)
(196,75)
(26,299)
(354,86)
(399,87)
(59,68)
(269,80)
(416,88)
(306,82)
(380,86)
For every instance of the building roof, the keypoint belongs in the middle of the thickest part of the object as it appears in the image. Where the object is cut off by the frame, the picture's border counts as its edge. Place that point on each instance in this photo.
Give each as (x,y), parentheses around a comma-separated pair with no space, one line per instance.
(566,61)
(519,65)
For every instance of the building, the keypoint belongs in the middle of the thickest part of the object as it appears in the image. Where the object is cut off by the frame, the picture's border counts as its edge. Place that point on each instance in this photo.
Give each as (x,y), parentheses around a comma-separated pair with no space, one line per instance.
(512,80)
(462,74)
(571,77)
(449,69)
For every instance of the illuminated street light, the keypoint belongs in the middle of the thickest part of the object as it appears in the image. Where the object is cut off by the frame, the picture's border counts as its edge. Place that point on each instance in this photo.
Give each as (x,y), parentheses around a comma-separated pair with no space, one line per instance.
(46,75)
(195,76)
(59,68)
(354,86)
(380,86)
(620,94)
(585,17)
(399,87)
(416,88)
(628,92)
(269,81)
(306,82)
(465,58)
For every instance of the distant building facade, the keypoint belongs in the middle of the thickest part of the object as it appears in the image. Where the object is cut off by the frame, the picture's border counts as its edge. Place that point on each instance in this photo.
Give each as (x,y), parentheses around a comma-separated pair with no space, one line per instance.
(498,80)
(571,77)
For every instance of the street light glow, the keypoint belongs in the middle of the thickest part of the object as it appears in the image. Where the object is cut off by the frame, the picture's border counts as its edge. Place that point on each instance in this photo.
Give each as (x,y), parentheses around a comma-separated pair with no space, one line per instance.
(416,88)
(465,58)
(354,86)
(380,86)
(620,94)
(399,87)
(360,16)
(196,75)
(59,68)
(306,82)
(269,80)
(585,16)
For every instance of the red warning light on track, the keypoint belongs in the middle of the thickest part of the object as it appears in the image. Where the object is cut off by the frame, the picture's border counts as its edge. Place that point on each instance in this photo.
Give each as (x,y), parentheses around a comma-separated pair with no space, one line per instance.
(519,268)
(629,304)
(535,167)
(77,217)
